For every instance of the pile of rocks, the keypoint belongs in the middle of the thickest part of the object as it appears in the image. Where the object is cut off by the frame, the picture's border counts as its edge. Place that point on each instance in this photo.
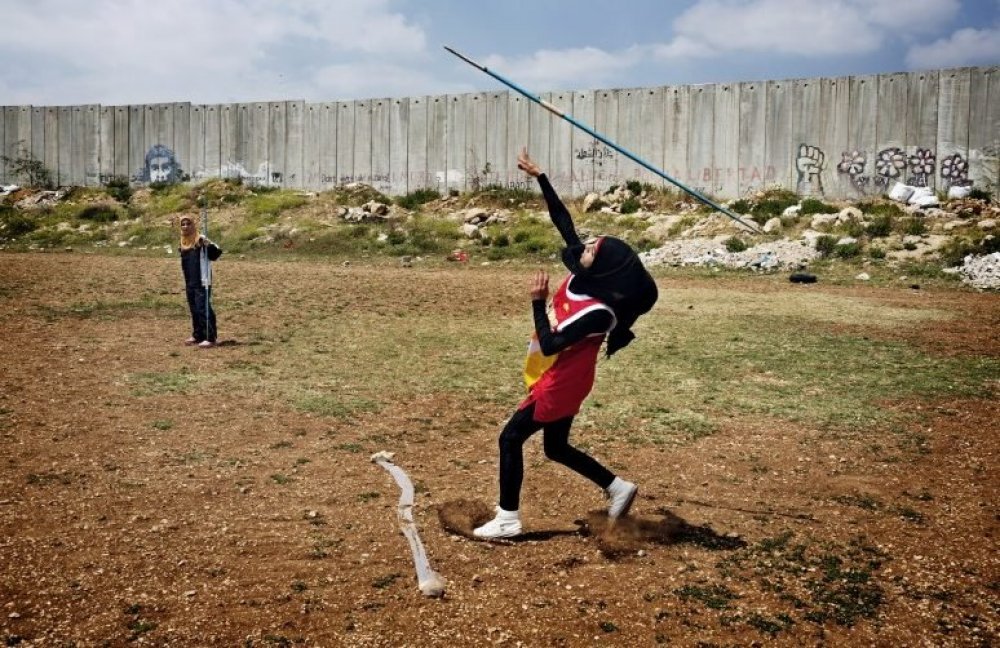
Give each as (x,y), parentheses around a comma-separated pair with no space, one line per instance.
(981,272)
(769,255)
(475,219)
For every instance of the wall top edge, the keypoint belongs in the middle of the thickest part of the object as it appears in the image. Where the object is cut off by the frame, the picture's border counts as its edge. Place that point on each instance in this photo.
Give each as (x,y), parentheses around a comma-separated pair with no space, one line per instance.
(985,69)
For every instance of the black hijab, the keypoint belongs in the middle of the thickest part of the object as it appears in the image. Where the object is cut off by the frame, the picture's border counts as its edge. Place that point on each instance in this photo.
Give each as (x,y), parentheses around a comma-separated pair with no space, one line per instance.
(617,278)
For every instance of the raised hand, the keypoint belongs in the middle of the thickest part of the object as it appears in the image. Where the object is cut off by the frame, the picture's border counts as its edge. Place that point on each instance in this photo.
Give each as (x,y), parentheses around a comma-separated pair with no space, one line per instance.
(540,286)
(525,163)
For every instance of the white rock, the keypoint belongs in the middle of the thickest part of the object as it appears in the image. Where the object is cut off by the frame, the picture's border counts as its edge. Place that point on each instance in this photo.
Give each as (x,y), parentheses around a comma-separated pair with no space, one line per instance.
(864,276)
(849,214)
(987,224)
(819,220)
(901,192)
(772,225)
(959,192)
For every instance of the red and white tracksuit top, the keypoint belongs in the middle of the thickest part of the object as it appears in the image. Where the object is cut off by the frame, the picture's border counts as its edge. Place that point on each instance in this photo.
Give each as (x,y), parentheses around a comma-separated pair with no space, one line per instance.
(558,384)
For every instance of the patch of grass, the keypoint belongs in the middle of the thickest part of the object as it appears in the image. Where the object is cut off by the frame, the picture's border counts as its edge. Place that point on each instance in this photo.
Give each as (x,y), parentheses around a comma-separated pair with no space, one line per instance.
(880,226)
(165,382)
(684,423)
(162,424)
(383,582)
(912,226)
(630,206)
(281,479)
(813,206)
(888,209)
(876,252)
(334,405)
(826,244)
(735,244)
(716,597)
(909,514)
(49,477)
(821,581)
(866,502)
(169,199)
(981,194)
(770,626)
(848,250)
(415,199)
(99,213)
(368,496)
(111,309)
(272,203)
(772,203)
(509,196)
(353,448)
(710,363)
(14,223)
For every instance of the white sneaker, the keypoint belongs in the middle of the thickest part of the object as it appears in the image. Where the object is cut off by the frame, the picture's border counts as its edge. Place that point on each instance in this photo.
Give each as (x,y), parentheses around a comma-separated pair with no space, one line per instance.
(622,494)
(506,524)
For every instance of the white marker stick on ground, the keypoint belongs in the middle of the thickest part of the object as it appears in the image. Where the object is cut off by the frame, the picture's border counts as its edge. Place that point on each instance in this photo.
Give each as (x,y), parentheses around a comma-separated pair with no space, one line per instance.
(429,581)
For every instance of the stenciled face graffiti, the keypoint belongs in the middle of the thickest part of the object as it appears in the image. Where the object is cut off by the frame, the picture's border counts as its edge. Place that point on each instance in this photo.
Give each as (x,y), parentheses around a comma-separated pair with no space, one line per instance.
(160,166)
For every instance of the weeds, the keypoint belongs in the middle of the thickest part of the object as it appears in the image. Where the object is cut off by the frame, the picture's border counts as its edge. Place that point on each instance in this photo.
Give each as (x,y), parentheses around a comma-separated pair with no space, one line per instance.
(415,199)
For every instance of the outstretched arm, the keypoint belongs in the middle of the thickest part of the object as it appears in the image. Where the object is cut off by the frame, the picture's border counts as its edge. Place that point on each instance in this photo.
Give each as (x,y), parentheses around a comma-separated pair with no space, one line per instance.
(557,210)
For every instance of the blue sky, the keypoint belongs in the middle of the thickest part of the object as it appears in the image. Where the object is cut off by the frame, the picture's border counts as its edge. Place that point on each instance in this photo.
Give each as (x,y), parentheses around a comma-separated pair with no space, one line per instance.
(58,52)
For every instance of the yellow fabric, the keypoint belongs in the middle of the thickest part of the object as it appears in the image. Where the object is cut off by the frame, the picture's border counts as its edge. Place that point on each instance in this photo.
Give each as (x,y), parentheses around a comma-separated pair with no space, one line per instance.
(536,364)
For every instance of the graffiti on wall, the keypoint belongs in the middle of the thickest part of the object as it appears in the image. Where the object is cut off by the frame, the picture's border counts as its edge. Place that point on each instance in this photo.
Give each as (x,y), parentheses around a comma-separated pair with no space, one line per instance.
(596,152)
(263,175)
(160,165)
(809,164)
(921,167)
(892,163)
(955,171)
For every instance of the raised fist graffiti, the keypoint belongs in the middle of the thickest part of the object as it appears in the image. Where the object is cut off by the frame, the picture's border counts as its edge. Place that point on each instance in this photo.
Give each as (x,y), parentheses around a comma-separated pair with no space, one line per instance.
(810,162)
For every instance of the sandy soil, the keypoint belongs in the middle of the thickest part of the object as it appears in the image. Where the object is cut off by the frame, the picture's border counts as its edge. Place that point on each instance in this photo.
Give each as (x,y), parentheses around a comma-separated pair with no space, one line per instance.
(114,532)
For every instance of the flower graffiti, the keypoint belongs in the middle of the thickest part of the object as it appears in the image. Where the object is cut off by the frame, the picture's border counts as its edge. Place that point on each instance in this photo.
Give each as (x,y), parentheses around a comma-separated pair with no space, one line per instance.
(852,164)
(889,165)
(922,164)
(955,170)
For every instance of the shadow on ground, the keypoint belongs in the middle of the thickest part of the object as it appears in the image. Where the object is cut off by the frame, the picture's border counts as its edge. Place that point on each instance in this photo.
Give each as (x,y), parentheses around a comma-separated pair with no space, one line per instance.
(615,539)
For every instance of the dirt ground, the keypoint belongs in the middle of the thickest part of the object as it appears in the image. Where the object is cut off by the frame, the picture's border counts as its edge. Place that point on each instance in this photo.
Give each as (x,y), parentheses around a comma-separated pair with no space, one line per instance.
(114,532)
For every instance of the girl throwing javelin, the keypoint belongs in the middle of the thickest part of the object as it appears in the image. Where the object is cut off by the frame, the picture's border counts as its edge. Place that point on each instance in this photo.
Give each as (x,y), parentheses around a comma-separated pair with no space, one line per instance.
(606,290)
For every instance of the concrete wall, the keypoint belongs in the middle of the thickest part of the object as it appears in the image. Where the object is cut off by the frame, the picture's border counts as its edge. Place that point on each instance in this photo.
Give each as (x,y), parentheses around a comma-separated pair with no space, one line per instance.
(835,137)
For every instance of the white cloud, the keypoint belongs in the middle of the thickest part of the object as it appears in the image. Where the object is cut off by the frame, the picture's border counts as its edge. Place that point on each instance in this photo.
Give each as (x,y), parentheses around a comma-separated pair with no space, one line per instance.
(964,47)
(134,51)
(917,16)
(810,28)
(369,80)
(564,69)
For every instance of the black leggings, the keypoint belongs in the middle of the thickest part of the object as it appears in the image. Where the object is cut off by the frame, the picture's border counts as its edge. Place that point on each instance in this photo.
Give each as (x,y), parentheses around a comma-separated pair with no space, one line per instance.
(555,441)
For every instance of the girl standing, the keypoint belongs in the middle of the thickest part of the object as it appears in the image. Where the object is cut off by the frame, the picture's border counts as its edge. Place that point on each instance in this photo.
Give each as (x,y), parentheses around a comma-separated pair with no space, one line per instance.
(197,253)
